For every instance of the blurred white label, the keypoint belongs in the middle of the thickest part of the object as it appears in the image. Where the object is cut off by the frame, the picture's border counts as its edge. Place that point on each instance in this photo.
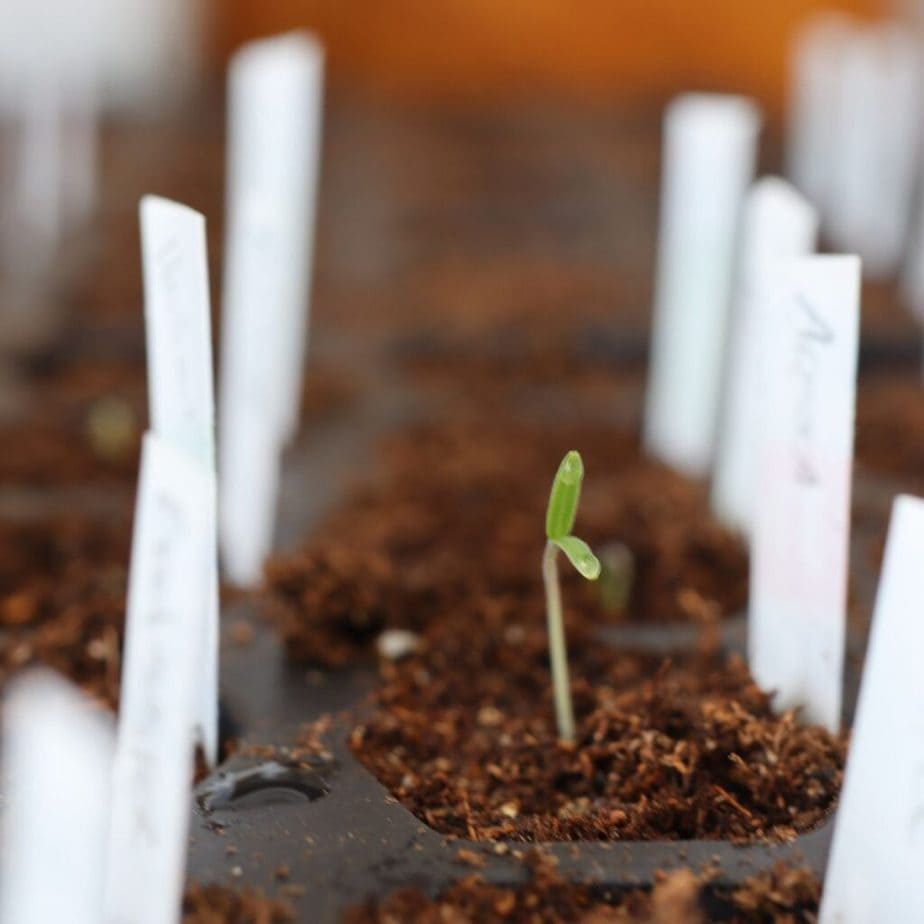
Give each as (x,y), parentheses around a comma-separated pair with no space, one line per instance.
(179,348)
(275,109)
(710,145)
(811,144)
(877,146)
(178,326)
(275,89)
(248,515)
(877,853)
(251,440)
(802,525)
(168,589)
(57,771)
(778,224)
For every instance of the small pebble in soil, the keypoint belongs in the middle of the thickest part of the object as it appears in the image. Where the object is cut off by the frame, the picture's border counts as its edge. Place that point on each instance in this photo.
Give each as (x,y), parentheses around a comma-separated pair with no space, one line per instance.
(395,644)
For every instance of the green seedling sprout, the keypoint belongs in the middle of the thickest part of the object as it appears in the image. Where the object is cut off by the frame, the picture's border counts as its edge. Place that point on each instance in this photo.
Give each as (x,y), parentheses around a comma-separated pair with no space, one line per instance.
(559,521)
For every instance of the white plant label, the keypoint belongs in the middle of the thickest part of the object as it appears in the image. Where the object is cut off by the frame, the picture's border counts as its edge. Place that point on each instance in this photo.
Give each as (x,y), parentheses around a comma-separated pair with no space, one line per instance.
(778,224)
(275,108)
(877,146)
(275,113)
(251,439)
(710,144)
(800,545)
(182,402)
(177,322)
(38,180)
(249,496)
(811,144)
(57,765)
(877,853)
(168,588)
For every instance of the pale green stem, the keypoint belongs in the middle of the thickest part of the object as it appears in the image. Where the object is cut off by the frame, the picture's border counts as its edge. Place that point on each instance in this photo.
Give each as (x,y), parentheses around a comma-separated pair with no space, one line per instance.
(558,655)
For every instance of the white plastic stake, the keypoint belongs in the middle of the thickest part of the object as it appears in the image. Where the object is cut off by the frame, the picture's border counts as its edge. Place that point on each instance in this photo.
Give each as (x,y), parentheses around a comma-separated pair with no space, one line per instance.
(168,588)
(182,403)
(811,144)
(799,554)
(81,141)
(275,103)
(877,853)
(710,144)
(877,146)
(57,765)
(778,224)
(275,89)
(37,184)
(251,441)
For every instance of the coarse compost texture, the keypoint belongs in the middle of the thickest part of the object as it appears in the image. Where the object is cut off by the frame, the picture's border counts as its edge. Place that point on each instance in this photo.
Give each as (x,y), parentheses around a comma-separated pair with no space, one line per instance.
(784,895)
(462,732)
(457,513)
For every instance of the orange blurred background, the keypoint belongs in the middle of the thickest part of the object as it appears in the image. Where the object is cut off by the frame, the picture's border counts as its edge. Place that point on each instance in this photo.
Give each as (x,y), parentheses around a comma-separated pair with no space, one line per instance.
(633,50)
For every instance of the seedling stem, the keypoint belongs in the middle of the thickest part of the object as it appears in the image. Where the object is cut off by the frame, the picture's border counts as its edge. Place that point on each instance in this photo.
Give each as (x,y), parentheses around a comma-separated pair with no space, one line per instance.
(562,510)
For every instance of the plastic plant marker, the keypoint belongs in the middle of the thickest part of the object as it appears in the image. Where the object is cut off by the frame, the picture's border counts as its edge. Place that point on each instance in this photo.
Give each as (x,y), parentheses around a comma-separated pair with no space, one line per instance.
(797,611)
(38,174)
(57,765)
(559,520)
(815,77)
(182,402)
(250,446)
(778,224)
(877,146)
(168,587)
(275,125)
(710,144)
(877,852)
(274,147)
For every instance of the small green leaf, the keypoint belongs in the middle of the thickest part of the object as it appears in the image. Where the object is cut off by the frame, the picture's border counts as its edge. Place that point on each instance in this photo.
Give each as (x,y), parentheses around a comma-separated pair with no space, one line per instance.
(580,555)
(563,500)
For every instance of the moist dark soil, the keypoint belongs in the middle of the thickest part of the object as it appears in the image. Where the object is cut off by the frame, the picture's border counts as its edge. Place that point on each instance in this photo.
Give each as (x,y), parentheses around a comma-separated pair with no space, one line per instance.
(456,514)
(62,598)
(218,905)
(890,427)
(327,392)
(80,422)
(462,733)
(783,896)
(514,356)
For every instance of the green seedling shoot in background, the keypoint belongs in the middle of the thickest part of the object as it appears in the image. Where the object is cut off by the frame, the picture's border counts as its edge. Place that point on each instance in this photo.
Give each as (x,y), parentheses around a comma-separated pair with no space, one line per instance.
(559,520)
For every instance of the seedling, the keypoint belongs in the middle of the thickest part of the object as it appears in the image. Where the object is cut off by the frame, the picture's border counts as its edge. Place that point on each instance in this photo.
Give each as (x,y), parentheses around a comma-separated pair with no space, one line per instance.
(559,520)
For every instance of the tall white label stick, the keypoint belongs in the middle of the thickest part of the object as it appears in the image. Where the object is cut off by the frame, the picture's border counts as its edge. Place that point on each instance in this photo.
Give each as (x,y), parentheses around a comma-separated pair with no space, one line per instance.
(57,770)
(877,145)
(778,224)
(710,147)
(153,774)
(251,439)
(275,99)
(275,94)
(37,187)
(179,348)
(799,554)
(877,853)
(811,142)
